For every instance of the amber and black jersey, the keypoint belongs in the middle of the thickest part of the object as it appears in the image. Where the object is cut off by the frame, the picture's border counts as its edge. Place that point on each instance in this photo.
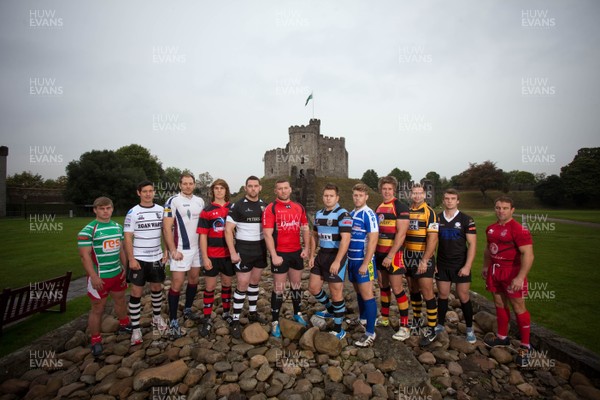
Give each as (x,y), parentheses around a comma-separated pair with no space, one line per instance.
(212,224)
(452,243)
(422,221)
(387,215)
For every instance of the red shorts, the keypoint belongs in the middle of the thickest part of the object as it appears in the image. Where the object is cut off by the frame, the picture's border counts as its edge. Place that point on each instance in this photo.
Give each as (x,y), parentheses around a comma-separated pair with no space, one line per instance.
(114,284)
(499,278)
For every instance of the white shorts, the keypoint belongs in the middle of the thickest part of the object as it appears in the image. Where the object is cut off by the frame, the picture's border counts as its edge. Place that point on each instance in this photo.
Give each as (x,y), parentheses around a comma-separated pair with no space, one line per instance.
(191,259)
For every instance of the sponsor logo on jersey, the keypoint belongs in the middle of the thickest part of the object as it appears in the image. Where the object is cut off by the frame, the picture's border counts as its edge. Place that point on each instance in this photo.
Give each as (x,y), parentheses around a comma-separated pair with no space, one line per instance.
(111,245)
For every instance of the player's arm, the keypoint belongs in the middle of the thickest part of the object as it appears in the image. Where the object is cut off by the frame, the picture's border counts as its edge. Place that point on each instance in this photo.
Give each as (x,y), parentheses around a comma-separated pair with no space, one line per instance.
(401,229)
(229,239)
(471,249)
(526,264)
(132,262)
(168,235)
(306,251)
(487,260)
(203,238)
(314,238)
(85,253)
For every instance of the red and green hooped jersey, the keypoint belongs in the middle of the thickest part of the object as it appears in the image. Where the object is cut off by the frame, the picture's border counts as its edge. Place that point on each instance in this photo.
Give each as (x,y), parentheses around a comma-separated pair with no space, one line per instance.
(106,239)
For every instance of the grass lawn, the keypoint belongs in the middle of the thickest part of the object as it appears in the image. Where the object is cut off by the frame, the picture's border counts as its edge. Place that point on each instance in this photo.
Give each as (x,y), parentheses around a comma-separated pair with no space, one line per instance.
(563,281)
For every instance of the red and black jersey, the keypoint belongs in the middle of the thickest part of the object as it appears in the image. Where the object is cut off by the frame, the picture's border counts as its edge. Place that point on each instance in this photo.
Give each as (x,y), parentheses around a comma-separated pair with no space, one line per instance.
(503,243)
(212,223)
(387,214)
(286,219)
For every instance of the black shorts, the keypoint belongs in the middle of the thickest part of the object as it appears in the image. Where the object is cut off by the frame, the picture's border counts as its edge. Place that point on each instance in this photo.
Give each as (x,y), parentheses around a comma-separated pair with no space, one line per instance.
(290,260)
(448,273)
(396,267)
(220,266)
(411,262)
(252,254)
(153,272)
(323,262)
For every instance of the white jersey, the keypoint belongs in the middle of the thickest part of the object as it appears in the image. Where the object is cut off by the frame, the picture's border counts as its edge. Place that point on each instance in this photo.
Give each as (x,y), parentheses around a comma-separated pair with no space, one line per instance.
(186,213)
(146,225)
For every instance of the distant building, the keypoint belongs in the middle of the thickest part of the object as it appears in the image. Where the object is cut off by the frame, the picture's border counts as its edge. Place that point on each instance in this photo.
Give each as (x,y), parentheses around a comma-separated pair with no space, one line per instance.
(308,149)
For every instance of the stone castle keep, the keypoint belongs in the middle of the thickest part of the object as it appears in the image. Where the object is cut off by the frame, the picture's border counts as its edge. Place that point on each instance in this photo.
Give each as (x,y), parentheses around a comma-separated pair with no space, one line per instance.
(308,150)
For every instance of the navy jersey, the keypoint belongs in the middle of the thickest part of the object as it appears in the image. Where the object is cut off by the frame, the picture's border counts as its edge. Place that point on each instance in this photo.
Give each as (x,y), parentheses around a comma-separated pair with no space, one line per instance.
(452,234)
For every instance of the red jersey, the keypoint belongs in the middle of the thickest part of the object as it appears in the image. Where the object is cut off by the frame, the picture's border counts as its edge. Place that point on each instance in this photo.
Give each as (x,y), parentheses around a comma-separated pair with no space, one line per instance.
(286,219)
(503,243)
(212,223)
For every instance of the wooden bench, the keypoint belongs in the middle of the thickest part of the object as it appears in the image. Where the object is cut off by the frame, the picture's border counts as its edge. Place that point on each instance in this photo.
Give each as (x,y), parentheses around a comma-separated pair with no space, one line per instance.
(16,304)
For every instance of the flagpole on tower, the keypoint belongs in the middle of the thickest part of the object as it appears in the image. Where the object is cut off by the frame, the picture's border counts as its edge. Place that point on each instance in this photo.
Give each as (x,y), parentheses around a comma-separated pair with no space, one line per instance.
(313,107)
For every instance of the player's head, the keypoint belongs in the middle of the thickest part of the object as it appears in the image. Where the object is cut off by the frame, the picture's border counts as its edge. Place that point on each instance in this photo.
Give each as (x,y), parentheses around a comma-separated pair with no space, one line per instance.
(252,187)
(187,183)
(451,198)
(504,208)
(388,185)
(360,195)
(417,194)
(145,189)
(283,189)
(221,188)
(103,208)
(330,195)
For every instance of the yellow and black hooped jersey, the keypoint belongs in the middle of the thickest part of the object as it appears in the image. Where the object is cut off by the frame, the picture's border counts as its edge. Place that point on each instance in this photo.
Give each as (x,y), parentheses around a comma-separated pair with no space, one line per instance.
(423,220)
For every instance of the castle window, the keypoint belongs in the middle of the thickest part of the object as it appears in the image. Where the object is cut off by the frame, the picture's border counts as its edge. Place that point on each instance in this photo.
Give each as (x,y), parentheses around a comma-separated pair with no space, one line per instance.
(330,149)
(303,136)
(271,170)
(302,162)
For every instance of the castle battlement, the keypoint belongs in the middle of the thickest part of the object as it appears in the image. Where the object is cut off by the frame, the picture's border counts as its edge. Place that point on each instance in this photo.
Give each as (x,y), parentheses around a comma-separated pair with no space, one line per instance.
(308,149)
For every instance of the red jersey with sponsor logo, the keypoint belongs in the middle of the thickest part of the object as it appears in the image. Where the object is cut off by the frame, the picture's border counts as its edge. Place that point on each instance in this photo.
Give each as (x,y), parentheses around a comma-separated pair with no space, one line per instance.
(286,219)
(503,243)
(212,224)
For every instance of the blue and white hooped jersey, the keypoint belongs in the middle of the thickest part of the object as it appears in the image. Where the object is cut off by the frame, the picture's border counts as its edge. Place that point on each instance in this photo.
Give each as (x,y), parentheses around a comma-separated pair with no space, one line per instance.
(364,221)
(330,224)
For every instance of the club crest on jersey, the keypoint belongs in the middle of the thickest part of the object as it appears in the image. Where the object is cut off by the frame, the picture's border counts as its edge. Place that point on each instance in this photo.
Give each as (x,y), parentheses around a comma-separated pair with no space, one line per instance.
(503,233)
(457,225)
(158,215)
(141,218)
(381,218)
(329,222)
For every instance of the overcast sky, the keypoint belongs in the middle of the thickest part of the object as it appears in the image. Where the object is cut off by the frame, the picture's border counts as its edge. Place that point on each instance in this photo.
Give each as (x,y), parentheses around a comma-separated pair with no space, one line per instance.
(210,86)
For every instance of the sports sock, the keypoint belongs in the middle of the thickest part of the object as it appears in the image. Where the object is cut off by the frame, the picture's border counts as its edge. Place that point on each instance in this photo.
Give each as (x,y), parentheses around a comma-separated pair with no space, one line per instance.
(442,310)
(157,299)
(276,302)
(238,303)
(402,301)
(339,310)
(503,318)
(431,305)
(208,300)
(370,314)
(135,310)
(226,298)
(324,299)
(524,322)
(416,301)
(385,302)
(190,294)
(467,309)
(252,297)
(173,300)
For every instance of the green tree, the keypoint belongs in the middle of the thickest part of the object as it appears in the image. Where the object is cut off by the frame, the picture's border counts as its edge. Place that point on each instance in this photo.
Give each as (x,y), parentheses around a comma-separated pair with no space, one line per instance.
(25,179)
(520,180)
(370,178)
(401,175)
(581,177)
(483,176)
(434,177)
(103,173)
(140,157)
(550,191)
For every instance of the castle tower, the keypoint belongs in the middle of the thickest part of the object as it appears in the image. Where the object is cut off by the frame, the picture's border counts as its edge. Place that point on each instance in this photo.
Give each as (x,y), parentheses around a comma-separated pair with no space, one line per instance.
(308,149)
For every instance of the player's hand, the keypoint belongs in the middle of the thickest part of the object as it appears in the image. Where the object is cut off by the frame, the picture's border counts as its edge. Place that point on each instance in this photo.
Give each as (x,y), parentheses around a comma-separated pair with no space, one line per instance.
(277,260)
(363,269)
(387,261)
(207,264)
(235,258)
(517,284)
(464,271)
(97,282)
(484,273)
(311,261)
(177,256)
(304,254)
(134,265)
(165,258)
(335,267)
(422,268)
